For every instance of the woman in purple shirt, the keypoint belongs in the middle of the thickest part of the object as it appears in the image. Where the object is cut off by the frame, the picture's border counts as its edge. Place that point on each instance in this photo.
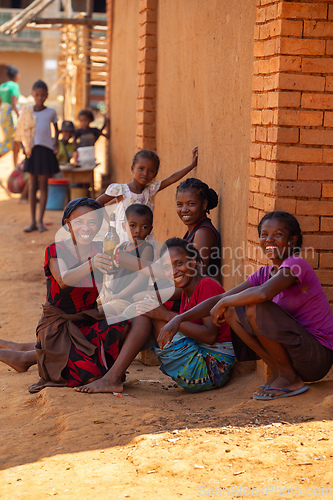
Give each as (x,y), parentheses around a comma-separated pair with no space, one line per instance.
(280,312)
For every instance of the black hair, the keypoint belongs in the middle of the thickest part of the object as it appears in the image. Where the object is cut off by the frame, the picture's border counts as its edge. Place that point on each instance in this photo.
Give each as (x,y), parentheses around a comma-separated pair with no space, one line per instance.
(204,191)
(40,85)
(83,202)
(290,222)
(12,71)
(187,246)
(148,154)
(87,113)
(138,209)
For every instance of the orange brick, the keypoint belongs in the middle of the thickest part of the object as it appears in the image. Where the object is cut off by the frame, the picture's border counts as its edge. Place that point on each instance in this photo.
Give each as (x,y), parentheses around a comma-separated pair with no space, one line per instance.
(252,233)
(147,41)
(145,143)
(264,31)
(253,216)
(283,135)
(145,117)
(255,150)
(326,224)
(285,204)
(260,169)
(267,186)
(330,12)
(254,184)
(147,67)
(271,82)
(281,171)
(258,200)
(256,117)
(300,117)
(272,99)
(308,223)
(302,10)
(257,83)
(268,66)
(269,204)
(266,151)
(261,134)
(327,156)
(329,292)
(145,130)
(302,46)
(317,65)
(148,4)
(320,137)
(267,116)
(147,29)
(311,256)
(147,92)
(329,47)
(147,79)
(327,191)
(315,173)
(253,134)
(259,49)
(320,29)
(148,16)
(326,260)
(290,63)
(283,27)
(289,99)
(298,189)
(146,105)
(325,276)
(329,84)
(262,100)
(316,208)
(328,119)
(148,54)
(317,101)
(301,82)
(256,34)
(251,199)
(297,154)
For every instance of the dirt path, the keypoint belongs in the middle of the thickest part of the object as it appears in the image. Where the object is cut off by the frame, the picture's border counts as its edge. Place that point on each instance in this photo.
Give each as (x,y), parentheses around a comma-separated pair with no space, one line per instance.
(156,442)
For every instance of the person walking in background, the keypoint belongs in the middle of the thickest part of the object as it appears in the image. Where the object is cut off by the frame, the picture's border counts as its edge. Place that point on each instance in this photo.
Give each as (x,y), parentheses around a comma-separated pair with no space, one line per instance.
(9,94)
(42,163)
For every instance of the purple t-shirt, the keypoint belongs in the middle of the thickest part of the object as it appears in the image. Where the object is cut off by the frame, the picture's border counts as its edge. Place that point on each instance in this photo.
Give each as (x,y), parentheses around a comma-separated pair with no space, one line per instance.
(305,301)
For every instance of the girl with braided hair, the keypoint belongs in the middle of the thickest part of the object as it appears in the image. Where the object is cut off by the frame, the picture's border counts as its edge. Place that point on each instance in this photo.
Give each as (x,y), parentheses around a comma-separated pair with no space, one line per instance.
(194,200)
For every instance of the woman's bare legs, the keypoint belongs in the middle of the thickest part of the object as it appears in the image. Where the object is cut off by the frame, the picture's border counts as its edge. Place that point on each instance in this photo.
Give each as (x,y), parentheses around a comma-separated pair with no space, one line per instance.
(19,360)
(43,187)
(33,187)
(135,340)
(17,346)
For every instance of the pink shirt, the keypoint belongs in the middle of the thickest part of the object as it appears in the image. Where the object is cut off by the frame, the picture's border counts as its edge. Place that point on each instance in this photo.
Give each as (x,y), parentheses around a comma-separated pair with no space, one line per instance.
(305,301)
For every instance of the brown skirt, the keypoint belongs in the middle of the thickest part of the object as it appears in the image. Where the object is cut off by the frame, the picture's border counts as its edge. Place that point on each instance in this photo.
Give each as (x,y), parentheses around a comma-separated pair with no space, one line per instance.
(310,359)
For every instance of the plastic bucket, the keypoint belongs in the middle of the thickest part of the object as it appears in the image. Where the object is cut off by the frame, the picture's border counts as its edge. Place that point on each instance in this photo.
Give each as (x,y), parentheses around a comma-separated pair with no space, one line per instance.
(57,194)
(86,156)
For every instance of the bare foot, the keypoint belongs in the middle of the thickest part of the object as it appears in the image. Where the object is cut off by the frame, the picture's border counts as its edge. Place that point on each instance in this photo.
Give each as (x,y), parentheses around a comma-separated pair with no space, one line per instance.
(41,227)
(20,361)
(17,346)
(104,384)
(30,228)
(285,383)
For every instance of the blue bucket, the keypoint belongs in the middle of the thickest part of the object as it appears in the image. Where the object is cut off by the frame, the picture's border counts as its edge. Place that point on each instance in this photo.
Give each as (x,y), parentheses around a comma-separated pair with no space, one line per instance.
(57,194)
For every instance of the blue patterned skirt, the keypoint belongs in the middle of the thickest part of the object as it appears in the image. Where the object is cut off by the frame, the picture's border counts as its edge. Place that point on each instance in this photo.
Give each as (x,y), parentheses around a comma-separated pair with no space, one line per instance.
(194,366)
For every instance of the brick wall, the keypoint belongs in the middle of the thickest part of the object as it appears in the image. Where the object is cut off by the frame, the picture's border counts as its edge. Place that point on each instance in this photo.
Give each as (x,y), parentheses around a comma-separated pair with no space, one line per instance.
(292,125)
(146,98)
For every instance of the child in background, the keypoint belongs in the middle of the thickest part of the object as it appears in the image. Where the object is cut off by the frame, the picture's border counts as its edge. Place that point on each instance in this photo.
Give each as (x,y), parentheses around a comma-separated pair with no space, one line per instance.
(142,188)
(65,145)
(139,223)
(42,163)
(86,135)
(194,200)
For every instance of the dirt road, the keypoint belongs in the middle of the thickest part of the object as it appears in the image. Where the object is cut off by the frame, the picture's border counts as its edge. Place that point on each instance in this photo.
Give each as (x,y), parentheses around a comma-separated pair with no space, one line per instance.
(157,442)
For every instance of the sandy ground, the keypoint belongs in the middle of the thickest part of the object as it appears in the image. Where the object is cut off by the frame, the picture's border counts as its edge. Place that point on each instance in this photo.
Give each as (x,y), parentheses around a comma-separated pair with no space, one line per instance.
(157,441)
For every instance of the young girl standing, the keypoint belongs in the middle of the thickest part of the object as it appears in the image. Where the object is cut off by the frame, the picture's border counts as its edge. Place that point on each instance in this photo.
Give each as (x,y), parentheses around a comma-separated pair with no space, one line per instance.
(142,188)
(42,163)
(194,201)
(281,312)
